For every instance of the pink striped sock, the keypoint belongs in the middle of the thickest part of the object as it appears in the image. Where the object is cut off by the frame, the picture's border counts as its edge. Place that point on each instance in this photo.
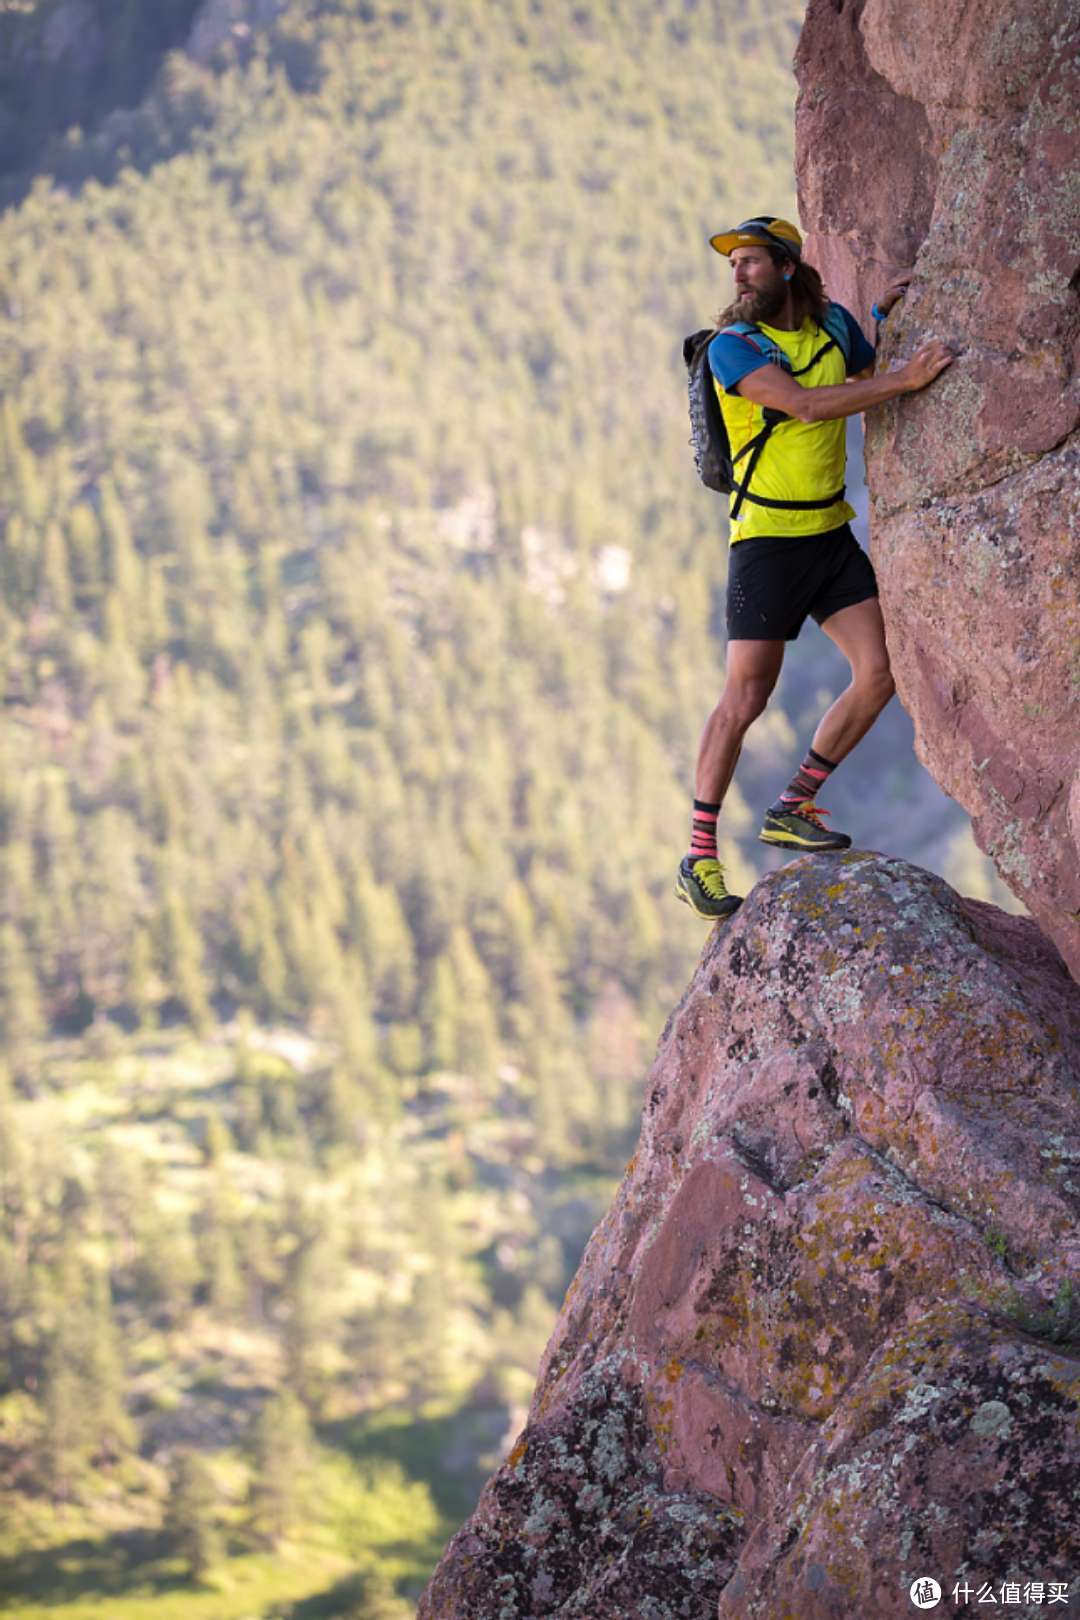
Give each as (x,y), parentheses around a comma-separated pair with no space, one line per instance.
(703,831)
(812,774)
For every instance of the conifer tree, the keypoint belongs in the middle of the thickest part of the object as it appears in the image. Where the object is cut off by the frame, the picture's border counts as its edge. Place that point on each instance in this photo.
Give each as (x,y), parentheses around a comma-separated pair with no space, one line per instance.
(282,1458)
(68,1433)
(84,535)
(167,1271)
(439,1015)
(181,956)
(218,1140)
(141,979)
(54,582)
(122,567)
(114,1433)
(268,970)
(217,1252)
(191,1528)
(21,1014)
(16,1172)
(313,1318)
(477,1043)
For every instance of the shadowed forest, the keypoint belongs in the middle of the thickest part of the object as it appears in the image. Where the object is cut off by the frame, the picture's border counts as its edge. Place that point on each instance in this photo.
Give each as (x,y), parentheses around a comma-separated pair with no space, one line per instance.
(360,612)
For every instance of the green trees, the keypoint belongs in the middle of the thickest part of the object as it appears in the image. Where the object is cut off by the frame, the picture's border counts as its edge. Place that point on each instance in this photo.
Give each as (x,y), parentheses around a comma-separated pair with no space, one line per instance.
(303,631)
(192,1530)
(282,1459)
(86,1420)
(20,996)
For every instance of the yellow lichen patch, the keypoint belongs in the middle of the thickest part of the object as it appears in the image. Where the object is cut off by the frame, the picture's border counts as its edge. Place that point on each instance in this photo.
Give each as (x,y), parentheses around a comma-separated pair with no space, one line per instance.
(660,1421)
(810,908)
(518,1452)
(835,890)
(673,1370)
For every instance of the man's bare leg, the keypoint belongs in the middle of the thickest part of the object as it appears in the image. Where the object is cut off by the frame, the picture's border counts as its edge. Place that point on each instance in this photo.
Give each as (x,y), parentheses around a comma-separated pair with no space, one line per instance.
(794,821)
(752,671)
(859,632)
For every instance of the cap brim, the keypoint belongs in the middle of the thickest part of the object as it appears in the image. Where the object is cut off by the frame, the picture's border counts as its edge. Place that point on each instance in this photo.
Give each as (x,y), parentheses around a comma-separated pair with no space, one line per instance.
(733,239)
(727,241)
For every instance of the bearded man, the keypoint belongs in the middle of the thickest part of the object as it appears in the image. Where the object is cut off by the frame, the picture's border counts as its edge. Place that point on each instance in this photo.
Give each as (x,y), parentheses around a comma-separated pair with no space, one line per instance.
(784,355)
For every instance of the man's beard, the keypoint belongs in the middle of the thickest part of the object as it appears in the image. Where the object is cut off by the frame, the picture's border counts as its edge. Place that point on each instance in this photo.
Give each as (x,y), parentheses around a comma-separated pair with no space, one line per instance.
(759,304)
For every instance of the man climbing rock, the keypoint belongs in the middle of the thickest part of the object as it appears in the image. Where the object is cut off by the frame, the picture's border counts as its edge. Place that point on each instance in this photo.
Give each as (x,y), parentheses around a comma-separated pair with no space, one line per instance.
(787,357)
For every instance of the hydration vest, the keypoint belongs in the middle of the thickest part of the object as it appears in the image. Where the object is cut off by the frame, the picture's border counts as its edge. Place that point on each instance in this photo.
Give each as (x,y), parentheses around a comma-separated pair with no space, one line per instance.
(708,430)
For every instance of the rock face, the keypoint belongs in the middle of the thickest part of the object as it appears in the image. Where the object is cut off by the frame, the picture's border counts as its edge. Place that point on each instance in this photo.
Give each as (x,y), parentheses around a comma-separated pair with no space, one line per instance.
(947,138)
(824,1342)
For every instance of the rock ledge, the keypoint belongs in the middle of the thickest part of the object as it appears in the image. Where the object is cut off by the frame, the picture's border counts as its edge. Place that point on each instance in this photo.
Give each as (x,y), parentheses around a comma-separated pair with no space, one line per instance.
(826,1328)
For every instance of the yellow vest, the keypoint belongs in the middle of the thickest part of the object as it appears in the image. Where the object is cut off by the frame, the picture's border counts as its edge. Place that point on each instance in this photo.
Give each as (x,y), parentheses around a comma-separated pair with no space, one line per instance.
(801,461)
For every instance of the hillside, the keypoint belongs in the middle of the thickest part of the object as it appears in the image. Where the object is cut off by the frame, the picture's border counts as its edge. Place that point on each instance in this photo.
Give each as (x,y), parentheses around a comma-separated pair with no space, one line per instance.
(359,615)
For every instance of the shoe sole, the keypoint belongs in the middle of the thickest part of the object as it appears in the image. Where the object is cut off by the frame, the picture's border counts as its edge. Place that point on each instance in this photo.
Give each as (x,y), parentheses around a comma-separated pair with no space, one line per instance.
(706,916)
(795,841)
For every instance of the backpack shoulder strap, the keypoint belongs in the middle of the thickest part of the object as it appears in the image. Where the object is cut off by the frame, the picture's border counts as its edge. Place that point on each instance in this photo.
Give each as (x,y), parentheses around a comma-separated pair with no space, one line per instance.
(757,340)
(834,328)
(835,324)
(745,329)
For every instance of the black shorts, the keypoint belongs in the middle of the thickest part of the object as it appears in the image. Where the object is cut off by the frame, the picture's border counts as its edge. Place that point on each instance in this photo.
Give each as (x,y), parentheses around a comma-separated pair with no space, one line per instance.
(774,581)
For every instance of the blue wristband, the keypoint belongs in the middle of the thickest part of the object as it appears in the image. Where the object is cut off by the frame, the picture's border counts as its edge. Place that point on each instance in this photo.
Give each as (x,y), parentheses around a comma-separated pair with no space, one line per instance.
(878,314)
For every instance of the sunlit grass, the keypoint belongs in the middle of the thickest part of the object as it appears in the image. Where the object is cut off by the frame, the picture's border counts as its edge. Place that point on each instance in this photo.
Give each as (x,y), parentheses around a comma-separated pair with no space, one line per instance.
(357,1516)
(242,1589)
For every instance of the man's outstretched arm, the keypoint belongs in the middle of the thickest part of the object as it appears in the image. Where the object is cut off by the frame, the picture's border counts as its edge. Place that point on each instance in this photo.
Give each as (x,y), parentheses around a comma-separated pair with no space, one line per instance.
(776,388)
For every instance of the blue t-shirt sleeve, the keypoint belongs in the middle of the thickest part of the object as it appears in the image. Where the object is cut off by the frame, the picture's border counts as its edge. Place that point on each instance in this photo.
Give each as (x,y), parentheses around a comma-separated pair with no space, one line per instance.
(862,353)
(732,357)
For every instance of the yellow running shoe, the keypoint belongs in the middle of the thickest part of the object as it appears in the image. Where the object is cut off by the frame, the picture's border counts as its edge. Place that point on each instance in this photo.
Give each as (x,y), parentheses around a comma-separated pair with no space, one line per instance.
(701,884)
(801,827)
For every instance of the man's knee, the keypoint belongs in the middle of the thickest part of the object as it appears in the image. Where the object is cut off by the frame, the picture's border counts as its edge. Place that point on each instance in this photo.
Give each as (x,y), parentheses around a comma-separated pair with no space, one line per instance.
(745,699)
(876,685)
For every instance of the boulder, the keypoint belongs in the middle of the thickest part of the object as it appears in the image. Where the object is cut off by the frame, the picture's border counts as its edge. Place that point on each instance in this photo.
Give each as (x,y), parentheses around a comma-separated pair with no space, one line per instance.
(825,1342)
(946,138)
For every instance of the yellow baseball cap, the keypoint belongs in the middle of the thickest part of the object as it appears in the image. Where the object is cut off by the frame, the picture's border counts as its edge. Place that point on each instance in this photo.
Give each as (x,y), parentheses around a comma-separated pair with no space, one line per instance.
(762,231)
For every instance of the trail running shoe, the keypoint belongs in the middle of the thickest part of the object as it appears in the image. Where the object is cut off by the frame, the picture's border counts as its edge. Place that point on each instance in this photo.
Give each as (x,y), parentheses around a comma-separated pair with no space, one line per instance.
(701,884)
(801,828)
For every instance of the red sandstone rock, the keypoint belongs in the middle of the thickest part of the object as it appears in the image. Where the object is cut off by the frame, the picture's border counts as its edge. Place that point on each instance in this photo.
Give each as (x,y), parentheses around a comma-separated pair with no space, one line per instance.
(947,137)
(823,1343)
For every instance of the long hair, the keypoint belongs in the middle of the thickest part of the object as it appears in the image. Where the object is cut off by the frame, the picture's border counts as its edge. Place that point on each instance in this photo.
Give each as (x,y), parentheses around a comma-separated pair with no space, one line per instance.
(807,292)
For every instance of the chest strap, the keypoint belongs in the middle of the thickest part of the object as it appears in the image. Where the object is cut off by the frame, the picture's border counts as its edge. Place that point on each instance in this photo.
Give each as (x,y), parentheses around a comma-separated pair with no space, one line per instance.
(796,506)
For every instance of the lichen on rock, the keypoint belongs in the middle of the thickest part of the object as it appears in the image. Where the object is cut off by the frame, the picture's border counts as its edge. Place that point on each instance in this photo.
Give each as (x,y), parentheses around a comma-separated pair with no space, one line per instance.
(811,1342)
